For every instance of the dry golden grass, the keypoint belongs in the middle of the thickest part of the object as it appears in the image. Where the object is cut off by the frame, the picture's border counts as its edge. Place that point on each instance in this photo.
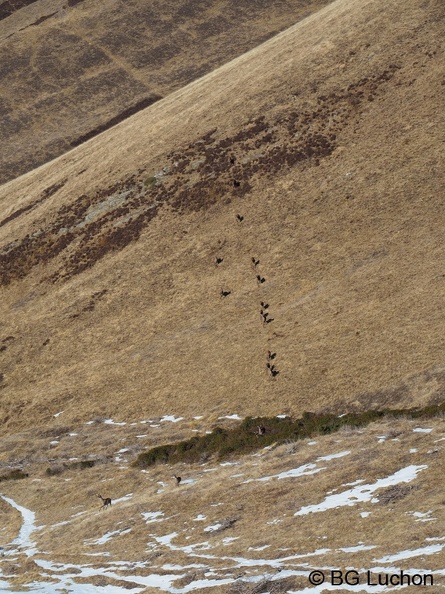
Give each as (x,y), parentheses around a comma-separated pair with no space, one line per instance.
(350,242)
(351,250)
(84,64)
(255,513)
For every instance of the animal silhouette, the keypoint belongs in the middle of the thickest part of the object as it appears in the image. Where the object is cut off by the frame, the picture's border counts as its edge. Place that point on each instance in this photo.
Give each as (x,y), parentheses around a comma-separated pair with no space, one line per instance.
(106,501)
(271,370)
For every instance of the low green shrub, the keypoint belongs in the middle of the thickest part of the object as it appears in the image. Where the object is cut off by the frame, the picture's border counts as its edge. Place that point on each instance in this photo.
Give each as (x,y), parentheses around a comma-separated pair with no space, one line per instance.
(78,465)
(150,181)
(55,470)
(247,437)
(84,464)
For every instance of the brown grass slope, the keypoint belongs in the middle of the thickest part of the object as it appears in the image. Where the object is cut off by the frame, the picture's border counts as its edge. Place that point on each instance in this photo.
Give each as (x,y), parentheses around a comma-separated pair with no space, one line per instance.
(252,518)
(333,133)
(70,69)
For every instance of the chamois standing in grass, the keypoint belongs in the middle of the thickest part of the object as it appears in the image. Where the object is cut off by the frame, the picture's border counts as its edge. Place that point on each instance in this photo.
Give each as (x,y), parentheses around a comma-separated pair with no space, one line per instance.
(224,293)
(265,317)
(218,260)
(255,261)
(260,279)
(178,479)
(271,370)
(106,501)
(239,218)
(270,355)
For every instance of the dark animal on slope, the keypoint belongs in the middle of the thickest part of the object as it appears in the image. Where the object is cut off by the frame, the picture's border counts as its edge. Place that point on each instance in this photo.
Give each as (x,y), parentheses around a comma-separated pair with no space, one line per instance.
(271,370)
(240,218)
(177,478)
(260,279)
(106,501)
(265,317)
(224,293)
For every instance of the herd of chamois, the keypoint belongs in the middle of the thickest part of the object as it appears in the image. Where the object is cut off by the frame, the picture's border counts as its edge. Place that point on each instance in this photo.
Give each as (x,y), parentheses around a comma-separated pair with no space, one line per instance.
(271,370)
(266,318)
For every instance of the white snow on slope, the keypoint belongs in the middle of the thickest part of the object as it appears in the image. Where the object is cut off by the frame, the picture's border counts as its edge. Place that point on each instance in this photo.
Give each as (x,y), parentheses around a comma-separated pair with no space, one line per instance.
(23,540)
(362,492)
(408,554)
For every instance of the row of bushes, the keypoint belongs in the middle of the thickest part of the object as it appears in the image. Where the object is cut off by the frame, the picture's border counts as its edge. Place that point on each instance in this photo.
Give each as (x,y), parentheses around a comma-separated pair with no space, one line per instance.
(79,465)
(245,438)
(17,474)
(13,475)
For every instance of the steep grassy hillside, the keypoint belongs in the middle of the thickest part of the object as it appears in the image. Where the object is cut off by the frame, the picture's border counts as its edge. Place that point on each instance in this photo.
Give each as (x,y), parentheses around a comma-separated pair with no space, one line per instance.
(265,241)
(70,69)
(328,141)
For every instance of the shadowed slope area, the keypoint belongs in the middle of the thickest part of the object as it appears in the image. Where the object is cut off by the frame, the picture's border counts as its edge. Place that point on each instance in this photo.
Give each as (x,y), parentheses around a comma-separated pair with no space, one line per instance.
(327,141)
(70,70)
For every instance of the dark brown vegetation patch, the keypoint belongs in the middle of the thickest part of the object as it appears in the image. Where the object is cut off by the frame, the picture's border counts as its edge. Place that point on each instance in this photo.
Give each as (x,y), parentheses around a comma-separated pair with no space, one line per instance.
(394,493)
(57,469)
(269,586)
(210,170)
(10,6)
(13,475)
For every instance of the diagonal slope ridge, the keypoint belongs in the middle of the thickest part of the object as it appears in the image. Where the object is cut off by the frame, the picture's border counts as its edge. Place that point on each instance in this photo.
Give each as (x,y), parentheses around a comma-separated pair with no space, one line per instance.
(86,65)
(316,154)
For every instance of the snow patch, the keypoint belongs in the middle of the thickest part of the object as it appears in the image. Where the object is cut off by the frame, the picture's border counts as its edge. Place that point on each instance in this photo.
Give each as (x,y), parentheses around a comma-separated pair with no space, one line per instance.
(363,492)
(108,536)
(23,540)
(333,456)
(171,419)
(408,554)
(151,517)
(303,470)
(111,422)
